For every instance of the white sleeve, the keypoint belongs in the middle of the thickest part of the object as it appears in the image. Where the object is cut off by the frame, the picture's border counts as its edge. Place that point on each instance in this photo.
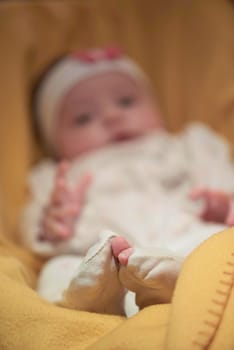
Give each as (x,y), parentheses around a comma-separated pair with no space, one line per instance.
(40,183)
(210,158)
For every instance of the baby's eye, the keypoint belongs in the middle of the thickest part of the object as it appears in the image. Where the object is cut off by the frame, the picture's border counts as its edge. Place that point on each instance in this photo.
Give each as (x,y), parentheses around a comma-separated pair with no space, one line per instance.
(83,119)
(126,101)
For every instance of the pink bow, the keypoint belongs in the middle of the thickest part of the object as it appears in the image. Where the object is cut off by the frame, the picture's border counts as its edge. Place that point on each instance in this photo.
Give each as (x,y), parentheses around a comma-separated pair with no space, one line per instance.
(93,56)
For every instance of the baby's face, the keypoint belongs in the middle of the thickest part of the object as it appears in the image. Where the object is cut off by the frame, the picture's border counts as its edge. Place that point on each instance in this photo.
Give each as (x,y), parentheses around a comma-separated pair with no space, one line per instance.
(102,110)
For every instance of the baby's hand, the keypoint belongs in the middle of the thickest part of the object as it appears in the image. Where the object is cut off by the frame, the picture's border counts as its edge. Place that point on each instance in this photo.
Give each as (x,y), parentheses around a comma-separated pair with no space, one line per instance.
(64,207)
(217,205)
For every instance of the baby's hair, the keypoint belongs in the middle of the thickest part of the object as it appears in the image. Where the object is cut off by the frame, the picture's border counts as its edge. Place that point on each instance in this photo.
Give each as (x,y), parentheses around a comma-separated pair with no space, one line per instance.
(34,96)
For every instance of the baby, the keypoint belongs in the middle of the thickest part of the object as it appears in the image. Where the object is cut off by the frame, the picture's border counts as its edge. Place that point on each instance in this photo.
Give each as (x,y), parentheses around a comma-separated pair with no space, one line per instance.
(115,169)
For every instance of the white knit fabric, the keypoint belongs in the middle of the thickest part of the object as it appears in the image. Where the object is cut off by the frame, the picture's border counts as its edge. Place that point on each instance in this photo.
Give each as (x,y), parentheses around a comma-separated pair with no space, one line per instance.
(140,190)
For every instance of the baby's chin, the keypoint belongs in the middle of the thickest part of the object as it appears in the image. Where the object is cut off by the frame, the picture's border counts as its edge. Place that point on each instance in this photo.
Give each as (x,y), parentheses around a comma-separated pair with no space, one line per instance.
(131,136)
(119,138)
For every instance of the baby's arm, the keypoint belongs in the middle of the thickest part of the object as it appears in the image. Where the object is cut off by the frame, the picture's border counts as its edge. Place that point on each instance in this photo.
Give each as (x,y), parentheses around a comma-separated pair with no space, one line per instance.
(218,205)
(64,207)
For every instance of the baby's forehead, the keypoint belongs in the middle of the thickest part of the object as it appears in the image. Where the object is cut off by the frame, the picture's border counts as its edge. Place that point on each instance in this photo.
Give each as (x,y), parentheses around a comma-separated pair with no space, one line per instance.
(113,82)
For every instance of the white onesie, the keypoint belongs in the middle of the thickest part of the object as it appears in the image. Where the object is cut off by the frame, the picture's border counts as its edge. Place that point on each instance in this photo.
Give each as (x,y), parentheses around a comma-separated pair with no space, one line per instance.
(140,190)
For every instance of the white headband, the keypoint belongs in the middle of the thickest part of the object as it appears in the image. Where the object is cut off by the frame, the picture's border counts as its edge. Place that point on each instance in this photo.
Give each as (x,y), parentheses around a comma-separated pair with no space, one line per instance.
(67,73)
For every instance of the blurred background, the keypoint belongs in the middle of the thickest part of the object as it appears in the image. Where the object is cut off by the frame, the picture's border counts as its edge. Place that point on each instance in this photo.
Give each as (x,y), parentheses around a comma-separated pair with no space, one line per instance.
(185,46)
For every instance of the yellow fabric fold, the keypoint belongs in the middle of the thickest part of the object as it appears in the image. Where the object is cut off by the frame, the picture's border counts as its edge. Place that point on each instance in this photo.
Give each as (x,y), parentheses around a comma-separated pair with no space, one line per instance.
(30,323)
(199,317)
(202,309)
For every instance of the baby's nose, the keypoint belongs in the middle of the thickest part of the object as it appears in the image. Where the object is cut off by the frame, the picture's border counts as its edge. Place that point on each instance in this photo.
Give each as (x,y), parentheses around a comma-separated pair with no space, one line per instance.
(112,116)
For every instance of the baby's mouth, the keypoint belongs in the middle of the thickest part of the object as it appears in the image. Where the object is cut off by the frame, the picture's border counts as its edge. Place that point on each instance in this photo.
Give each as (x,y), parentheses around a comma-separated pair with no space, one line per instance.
(121,137)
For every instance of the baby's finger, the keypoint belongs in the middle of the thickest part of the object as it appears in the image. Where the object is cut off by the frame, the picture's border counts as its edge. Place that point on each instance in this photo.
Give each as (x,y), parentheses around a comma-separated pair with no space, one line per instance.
(82,186)
(55,230)
(198,193)
(230,221)
(62,169)
(61,190)
(59,193)
(230,216)
(205,214)
(61,213)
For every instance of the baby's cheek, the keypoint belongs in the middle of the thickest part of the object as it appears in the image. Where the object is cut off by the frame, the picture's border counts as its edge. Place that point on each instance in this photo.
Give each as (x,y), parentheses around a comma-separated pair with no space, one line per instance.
(92,140)
(148,119)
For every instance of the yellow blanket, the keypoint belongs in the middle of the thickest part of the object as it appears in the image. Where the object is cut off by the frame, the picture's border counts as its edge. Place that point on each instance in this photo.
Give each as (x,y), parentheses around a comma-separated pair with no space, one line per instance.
(200,316)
